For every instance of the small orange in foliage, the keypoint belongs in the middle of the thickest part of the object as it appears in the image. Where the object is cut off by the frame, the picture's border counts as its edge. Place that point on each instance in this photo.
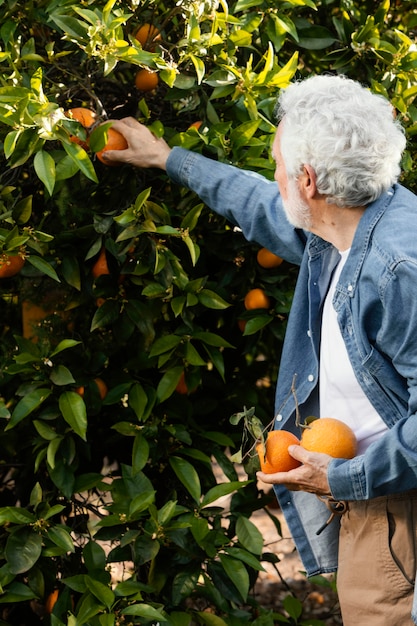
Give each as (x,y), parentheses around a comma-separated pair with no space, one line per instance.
(102,387)
(268,259)
(10,265)
(146,80)
(182,387)
(256,299)
(51,601)
(115,141)
(100,267)
(86,117)
(196,124)
(242,324)
(147,35)
(274,457)
(330,436)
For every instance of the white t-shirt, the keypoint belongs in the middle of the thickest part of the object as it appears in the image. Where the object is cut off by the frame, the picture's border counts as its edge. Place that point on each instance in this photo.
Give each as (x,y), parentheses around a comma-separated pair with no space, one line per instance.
(340,393)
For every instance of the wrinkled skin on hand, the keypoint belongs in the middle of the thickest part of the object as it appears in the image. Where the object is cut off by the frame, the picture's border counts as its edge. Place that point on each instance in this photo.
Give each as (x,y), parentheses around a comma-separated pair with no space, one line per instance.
(311,476)
(144,149)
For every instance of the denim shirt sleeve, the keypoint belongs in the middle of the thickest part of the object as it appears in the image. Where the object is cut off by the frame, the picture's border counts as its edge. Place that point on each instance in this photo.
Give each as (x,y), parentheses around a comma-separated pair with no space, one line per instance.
(389,465)
(246,199)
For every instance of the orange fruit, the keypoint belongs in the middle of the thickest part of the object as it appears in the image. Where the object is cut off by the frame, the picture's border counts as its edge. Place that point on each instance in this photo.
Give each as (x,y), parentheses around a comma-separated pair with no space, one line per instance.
(100,267)
(330,436)
(51,600)
(115,141)
(275,456)
(195,125)
(102,387)
(256,299)
(242,324)
(86,117)
(268,259)
(182,387)
(146,80)
(147,35)
(10,265)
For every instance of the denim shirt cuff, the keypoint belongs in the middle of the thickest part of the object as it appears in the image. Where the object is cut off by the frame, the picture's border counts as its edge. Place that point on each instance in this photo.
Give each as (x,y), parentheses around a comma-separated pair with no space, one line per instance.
(179,164)
(345,479)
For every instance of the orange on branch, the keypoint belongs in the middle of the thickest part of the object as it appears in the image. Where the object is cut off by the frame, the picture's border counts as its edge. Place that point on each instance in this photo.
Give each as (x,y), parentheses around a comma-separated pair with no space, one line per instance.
(86,117)
(51,601)
(330,436)
(100,267)
(147,35)
(196,125)
(146,80)
(115,141)
(102,387)
(274,457)
(10,265)
(257,299)
(268,259)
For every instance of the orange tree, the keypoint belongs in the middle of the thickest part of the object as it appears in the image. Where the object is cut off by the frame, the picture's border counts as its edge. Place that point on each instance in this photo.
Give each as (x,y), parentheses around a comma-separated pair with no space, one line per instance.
(126,345)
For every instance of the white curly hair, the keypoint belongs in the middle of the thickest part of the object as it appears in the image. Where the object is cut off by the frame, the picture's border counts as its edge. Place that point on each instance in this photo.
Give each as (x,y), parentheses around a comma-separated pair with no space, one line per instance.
(346,133)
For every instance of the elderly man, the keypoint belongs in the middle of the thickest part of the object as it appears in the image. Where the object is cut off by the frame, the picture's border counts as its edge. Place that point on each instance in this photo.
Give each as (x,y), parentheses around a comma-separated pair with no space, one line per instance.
(351,341)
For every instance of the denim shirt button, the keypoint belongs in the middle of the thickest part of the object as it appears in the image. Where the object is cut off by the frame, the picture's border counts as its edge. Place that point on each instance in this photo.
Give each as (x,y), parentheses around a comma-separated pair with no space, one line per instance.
(279,417)
(350,288)
(310,378)
(309,333)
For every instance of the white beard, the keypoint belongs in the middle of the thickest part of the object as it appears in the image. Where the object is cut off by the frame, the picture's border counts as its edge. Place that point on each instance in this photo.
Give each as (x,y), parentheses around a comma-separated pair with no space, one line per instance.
(296,210)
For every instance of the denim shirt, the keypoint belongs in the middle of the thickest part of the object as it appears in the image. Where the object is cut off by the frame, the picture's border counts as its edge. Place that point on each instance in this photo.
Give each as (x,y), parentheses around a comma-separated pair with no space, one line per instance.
(376,304)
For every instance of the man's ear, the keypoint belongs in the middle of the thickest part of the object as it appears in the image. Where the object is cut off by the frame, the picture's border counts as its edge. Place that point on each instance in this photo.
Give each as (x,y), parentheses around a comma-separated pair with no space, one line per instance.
(308,181)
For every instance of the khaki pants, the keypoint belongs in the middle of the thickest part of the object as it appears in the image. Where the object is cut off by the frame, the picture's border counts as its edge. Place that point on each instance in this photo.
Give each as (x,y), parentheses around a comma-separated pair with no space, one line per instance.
(377,561)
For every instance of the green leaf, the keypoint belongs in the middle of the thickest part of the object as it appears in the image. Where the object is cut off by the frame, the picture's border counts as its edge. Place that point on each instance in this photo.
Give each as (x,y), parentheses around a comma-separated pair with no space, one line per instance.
(43,266)
(245,557)
(15,515)
(17,592)
(237,573)
(64,345)
(81,160)
(27,405)
(23,549)
(188,476)
(141,502)
(147,611)
(102,592)
(22,211)
(221,490)
(45,169)
(140,453)
(164,344)
(138,401)
(212,300)
(210,619)
(249,536)
(184,585)
(61,375)
(105,315)
(73,409)
(168,382)
(61,537)
(52,449)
